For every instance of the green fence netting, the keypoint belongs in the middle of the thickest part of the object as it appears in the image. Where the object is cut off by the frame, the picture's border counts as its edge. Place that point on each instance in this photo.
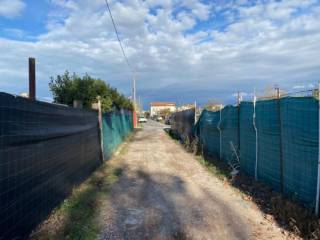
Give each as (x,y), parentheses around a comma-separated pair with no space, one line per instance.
(287,136)
(116,126)
(299,117)
(45,151)
(268,126)
(207,128)
(182,124)
(229,133)
(247,139)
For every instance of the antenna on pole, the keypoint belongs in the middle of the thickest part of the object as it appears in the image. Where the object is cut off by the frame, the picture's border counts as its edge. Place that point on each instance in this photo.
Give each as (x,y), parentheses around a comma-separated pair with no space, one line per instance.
(135,120)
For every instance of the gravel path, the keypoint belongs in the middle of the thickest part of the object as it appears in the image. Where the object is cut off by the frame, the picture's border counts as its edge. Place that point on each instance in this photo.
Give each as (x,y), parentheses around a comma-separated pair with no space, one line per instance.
(165,193)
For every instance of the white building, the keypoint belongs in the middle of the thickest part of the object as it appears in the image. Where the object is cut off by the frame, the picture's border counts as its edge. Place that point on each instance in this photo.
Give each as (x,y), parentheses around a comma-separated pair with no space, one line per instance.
(157,107)
(185,107)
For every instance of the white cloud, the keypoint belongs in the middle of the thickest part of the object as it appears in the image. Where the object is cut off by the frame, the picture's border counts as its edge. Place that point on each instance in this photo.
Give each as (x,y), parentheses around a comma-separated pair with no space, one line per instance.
(271,42)
(11,8)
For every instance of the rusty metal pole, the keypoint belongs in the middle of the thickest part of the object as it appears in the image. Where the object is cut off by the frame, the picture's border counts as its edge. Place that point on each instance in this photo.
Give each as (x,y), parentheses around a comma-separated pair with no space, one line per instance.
(32,78)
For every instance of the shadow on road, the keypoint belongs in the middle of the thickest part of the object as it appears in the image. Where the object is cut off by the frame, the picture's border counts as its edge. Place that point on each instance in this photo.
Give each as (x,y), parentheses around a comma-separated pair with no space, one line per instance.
(160,206)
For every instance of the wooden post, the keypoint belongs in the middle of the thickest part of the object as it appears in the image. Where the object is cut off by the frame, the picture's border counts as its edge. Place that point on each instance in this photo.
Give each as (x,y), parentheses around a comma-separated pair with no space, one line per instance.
(100,128)
(32,78)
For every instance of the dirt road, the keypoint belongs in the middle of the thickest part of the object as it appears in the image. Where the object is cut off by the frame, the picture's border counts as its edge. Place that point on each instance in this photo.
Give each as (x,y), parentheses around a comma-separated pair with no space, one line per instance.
(165,193)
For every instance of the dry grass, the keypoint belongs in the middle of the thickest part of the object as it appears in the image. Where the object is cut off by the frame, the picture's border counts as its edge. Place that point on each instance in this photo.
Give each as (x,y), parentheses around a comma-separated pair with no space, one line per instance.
(297,220)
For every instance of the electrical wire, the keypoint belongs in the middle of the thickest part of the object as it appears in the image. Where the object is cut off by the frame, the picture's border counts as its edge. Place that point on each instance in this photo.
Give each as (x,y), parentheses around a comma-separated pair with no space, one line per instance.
(117,33)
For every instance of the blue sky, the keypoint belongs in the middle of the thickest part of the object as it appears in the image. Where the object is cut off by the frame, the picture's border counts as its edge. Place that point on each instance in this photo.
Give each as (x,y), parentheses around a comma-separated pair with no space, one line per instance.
(182,50)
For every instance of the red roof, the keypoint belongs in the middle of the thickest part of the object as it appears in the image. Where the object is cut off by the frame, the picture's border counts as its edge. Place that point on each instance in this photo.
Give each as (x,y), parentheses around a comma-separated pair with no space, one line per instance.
(160,104)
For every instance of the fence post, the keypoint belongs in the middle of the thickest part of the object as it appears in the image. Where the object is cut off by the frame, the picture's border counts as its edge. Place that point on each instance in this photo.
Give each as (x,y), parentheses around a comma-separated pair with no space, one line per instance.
(256,131)
(195,112)
(318,176)
(239,101)
(280,138)
(220,135)
(100,128)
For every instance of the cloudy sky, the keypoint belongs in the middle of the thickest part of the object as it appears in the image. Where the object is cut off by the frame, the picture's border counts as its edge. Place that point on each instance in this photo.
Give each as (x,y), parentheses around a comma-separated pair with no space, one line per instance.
(182,50)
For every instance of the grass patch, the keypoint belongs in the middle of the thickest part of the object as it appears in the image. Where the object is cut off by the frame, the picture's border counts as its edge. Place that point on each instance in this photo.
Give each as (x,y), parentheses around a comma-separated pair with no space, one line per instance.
(77,216)
(213,168)
(82,209)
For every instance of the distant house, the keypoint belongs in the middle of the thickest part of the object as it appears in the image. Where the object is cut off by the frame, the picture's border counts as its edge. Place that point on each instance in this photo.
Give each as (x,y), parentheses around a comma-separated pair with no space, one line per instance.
(157,108)
(25,95)
(186,107)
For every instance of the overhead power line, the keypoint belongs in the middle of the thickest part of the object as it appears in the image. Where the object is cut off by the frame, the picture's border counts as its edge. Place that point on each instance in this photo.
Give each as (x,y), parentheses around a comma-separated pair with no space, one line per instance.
(117,33)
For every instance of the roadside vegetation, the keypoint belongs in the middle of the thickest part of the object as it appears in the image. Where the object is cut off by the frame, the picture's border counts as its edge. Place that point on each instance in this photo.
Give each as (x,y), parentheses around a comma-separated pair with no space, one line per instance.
(297,220)
(78,216)
(69,87)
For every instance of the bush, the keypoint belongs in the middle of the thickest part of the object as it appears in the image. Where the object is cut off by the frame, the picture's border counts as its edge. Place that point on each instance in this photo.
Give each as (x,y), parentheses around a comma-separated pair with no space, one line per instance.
(66,88)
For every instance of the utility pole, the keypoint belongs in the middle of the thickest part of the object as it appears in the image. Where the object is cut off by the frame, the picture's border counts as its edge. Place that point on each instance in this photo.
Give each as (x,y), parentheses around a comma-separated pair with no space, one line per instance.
(134,91)
(135,122)
(278,92)
(239,98)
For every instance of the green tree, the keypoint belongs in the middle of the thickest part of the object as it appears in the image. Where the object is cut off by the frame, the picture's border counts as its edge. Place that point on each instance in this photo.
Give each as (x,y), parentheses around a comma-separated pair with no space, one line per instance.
(62,88)
(66,88)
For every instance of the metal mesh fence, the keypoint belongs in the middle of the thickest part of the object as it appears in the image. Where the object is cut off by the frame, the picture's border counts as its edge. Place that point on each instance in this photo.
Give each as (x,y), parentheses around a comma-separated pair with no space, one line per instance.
(284,149)
(45,150)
